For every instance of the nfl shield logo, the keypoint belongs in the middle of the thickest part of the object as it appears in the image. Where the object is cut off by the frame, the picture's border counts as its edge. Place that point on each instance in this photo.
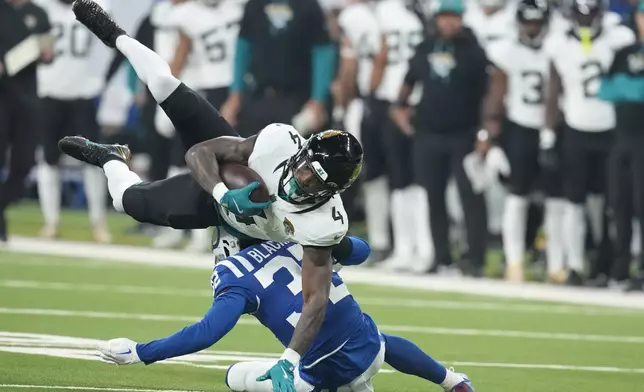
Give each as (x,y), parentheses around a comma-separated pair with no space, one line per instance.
(288,227)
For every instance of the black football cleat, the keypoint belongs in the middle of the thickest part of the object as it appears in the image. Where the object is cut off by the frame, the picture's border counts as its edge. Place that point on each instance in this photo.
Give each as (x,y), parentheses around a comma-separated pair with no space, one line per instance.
(93,153)
(97,21)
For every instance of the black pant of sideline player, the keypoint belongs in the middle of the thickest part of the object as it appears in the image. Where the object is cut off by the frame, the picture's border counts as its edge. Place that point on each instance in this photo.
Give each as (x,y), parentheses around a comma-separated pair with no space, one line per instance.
(265,106)
(436,158)
(626,184)
(18,134)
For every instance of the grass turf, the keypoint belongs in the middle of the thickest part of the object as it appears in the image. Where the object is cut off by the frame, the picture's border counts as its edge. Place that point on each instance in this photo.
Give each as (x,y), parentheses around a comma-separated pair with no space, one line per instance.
(118,294)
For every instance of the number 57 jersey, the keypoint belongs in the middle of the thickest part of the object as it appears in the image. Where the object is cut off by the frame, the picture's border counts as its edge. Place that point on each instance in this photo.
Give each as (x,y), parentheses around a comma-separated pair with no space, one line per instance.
(271,275)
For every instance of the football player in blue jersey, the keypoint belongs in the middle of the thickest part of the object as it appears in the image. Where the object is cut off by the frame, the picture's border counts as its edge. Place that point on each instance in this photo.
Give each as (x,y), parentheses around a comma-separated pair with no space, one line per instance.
(264,280)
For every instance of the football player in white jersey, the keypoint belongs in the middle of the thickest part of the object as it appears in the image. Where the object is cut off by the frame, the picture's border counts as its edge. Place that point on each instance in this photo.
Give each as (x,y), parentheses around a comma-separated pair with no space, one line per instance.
(165,18)
(401,23)
(303,177)
(578,59)
(69,87)
(518,80)
(208,30)
(490,20)
(361,43)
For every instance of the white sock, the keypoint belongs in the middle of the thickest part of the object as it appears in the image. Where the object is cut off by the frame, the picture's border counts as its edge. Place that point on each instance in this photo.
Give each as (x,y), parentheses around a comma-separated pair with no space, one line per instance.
(96,191)
(119,178)
(401,223)
(515,220)
(554,213)
(49,193)
(242,377)
(150,67)
(574,226)
(495,197)
(451,380)
(376,197)
(417,197)
(595,207)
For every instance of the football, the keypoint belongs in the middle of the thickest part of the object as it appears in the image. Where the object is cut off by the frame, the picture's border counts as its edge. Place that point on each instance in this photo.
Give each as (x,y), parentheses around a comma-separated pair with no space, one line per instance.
(237,176)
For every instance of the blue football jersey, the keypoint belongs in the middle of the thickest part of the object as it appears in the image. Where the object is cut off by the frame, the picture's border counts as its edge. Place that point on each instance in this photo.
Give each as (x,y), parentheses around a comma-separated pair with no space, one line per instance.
(348,340)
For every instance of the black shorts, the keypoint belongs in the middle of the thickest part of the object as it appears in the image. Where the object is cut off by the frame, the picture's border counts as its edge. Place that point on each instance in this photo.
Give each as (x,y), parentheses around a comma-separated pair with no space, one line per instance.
(400,160)
(373,128)
(67,118)
(179,201)
(521,146)
(585,160)
(194,118)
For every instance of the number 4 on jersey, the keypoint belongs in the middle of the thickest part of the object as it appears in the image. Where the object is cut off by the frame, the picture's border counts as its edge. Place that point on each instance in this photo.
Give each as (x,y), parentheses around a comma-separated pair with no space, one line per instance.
(337,216)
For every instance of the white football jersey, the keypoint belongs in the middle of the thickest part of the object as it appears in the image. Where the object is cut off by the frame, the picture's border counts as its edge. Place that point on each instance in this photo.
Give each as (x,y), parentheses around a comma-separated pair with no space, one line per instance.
(213,32)
(166,39)
(282,221)
(403,31)
(581,70)
(526,69)
(490,28)
(360,26)
(77,71)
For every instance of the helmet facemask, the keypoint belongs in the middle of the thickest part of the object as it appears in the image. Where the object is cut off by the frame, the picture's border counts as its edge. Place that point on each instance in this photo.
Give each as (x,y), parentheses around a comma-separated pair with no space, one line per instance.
(304,181)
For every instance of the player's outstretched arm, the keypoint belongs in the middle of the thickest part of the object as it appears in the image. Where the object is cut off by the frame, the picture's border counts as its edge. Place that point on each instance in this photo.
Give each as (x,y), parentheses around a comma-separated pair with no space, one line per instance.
(203,161)
(218,321)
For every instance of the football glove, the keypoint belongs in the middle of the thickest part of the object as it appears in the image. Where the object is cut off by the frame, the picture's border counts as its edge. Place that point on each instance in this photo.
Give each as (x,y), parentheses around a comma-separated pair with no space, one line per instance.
(119,351)
(281,375)
(548,157)
(238,201)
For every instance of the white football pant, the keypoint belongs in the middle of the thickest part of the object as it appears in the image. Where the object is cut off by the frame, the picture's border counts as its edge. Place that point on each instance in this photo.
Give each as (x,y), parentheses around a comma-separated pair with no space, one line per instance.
(242,376)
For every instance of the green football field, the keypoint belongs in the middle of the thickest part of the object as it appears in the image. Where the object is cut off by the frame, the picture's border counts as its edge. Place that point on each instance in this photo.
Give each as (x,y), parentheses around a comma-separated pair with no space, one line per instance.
(53,308)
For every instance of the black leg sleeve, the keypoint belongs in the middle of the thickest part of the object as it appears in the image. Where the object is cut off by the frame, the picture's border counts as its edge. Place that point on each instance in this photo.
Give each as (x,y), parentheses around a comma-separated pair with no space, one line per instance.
(177,202)
(194,119)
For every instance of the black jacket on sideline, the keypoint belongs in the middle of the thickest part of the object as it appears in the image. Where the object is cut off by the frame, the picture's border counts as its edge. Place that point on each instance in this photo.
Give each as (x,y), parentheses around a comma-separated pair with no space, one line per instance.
(454,78)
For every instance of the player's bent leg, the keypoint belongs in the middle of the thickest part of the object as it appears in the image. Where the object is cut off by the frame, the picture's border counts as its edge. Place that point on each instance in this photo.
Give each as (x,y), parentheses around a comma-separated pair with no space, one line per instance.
(119,179)
(242,377)
(177,202)
(406,357)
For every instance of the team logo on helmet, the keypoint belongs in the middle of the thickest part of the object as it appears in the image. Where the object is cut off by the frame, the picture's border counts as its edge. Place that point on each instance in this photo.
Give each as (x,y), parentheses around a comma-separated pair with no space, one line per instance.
(330,133)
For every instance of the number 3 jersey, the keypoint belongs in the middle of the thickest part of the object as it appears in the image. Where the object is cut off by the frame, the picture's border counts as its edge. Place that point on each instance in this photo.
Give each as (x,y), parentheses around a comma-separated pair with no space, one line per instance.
(526,69)
(271,275)
(581,67)
(308,225)
(80,59)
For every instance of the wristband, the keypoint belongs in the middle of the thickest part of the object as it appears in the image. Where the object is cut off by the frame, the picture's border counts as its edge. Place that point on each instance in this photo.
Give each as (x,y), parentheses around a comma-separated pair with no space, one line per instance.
(292,356)
(219,191)
(483,135)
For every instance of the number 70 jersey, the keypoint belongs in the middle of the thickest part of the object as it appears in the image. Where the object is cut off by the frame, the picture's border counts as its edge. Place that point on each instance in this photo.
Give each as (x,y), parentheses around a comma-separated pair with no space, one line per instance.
(271,274)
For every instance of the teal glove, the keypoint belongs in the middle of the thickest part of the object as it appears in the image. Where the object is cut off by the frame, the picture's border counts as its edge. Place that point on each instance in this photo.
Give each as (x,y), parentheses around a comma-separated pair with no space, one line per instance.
(238,201)
(281,374)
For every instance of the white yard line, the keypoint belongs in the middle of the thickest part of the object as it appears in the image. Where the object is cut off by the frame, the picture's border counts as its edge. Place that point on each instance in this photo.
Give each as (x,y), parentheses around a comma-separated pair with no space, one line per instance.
(386,328)
(372,301)
(79,388)
(84,349)
(485,287)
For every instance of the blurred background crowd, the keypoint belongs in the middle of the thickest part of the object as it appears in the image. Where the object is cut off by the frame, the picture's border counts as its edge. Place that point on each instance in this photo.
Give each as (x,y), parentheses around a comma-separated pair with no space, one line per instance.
(456,149)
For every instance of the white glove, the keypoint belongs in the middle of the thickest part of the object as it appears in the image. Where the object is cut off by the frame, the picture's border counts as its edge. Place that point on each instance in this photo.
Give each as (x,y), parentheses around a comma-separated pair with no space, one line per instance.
(119,351)
(547,139)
